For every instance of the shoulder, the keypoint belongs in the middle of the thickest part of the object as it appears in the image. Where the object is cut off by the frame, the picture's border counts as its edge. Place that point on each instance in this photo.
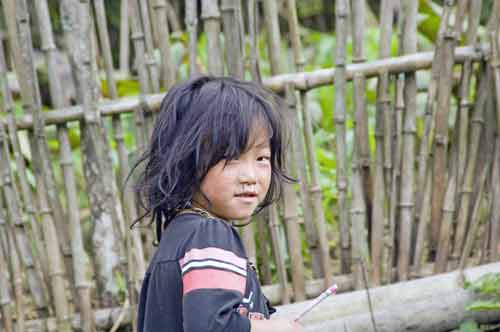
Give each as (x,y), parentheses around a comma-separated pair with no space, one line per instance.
(192,231)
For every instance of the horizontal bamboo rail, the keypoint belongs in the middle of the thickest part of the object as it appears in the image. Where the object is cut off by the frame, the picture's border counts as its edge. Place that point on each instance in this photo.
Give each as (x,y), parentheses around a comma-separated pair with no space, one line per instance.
(277,83)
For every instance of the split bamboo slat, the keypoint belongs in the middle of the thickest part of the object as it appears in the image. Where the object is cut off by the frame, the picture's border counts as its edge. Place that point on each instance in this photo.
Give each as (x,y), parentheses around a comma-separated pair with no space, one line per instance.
(422,204)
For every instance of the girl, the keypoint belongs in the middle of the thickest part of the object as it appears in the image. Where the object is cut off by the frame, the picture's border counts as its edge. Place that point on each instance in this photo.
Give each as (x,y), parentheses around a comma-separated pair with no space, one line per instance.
(214,159)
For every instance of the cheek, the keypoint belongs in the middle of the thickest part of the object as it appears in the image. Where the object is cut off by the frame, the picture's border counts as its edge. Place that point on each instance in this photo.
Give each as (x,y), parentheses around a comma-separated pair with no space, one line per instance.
(266,178)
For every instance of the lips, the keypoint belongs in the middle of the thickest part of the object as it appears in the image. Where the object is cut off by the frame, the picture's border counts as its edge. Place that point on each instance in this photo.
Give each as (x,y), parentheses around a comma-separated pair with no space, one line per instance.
(248,194)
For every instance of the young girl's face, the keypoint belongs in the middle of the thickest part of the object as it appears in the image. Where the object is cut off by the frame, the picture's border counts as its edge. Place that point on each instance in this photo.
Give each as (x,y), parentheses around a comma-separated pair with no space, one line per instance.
(235,187)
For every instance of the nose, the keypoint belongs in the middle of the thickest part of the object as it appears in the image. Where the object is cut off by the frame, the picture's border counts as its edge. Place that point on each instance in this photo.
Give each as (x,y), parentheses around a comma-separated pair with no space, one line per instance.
(248,174)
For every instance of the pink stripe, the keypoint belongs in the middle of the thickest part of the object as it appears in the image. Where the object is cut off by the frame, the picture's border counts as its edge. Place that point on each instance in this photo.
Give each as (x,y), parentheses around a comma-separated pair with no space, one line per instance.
(213,279)
(213,253)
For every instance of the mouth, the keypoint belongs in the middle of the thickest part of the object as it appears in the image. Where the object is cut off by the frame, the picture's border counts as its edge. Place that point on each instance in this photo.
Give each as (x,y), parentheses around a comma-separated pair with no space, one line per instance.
(247,195)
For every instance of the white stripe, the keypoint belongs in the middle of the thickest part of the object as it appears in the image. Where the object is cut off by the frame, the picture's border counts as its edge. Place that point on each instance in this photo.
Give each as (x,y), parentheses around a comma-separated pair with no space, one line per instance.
(211,263)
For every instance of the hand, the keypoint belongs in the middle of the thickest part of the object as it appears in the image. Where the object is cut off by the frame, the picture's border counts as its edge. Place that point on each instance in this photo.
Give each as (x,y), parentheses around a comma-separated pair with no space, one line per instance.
(276,325)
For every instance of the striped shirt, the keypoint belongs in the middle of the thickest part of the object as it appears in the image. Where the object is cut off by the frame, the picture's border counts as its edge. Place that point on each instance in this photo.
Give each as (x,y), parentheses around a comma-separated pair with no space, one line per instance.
(200,280)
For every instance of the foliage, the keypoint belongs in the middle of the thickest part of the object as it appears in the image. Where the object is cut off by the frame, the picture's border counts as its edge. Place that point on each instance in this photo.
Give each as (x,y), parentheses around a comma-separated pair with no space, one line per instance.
(488,289)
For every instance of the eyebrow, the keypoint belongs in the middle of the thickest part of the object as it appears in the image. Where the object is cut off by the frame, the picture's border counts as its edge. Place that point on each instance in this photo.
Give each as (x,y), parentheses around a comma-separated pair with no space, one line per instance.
(263,144)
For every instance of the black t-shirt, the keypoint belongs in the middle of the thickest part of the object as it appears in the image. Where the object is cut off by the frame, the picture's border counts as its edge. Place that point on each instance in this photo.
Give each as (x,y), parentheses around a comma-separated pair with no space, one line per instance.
(200,280)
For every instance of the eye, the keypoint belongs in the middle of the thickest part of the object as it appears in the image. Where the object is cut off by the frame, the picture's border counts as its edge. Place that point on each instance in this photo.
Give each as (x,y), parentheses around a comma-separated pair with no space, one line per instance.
(264,158)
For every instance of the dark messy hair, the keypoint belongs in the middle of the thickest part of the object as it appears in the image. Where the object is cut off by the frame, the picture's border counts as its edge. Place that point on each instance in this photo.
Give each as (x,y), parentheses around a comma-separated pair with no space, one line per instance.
(201,122)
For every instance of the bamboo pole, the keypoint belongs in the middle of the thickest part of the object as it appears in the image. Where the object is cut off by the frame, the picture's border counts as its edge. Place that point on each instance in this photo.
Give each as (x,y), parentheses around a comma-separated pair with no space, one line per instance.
(271,15)
(395,65)
(264,261)
(144,17)
(191,22)
(422,238)
(340,128)
(465,103)
(396,179)
(233,35)
(448,209)
(29,207)
(81,262)
(440,141)
(300,159)
(429,116)
(495,212)
(475,218)
(124,36)
(42,167)
(316,197)
(407,202)
(210,15)
(253,31)
(314,79)
(22,49)
(477,124)
(383,139)
(290,213)
(101,195)
(15,273)
(274,226)
(168,72)
(57,98)
(102,30)
(360,253)
(5,271)
(360,115)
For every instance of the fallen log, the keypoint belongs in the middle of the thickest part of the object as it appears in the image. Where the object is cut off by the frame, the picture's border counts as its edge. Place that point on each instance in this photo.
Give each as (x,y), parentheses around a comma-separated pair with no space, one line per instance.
(442,312)
(418,305)
(435,303)
(345,283)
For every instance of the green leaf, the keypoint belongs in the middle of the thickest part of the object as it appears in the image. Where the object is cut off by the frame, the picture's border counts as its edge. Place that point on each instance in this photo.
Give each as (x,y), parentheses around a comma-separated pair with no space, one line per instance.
(469,326)
(484,305)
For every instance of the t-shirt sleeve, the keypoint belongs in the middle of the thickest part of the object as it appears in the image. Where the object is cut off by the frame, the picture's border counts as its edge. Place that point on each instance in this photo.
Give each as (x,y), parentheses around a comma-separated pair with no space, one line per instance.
(214,275)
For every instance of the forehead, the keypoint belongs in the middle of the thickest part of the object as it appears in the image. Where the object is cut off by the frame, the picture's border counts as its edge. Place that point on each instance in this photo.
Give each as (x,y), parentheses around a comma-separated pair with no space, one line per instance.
(260,135)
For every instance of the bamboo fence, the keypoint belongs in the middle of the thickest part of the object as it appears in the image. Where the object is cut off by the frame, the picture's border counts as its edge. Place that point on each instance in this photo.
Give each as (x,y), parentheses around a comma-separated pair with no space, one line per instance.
(413,204)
